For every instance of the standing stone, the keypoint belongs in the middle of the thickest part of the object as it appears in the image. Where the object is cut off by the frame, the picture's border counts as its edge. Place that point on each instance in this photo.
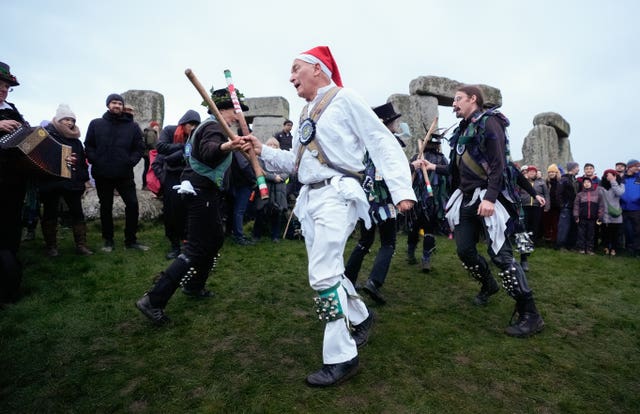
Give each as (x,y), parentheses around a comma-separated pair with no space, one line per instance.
(417,111)
(444,89)
(548,142)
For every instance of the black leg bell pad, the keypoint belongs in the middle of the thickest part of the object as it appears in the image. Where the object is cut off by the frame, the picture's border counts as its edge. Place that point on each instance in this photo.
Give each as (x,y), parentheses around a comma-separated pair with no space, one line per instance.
(333,374)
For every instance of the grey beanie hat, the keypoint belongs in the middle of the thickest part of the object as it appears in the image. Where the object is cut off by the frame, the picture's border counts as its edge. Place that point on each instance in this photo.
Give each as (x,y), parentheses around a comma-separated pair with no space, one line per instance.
(571,165)
(189,116)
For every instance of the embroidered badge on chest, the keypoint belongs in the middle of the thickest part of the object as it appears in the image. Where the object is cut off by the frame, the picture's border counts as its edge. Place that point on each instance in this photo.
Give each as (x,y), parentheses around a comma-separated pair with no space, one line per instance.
(307,131)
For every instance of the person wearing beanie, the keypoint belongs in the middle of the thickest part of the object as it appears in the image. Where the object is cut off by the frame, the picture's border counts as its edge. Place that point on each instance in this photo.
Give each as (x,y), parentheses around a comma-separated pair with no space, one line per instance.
(621,168)
(630,203)
(340,124)
(428,213)
(551,216)
(479,209)
(168,167)
(114,146)
(63,129)
(611,189)
(150,138)
(205,177)
(568,188)
(115,97)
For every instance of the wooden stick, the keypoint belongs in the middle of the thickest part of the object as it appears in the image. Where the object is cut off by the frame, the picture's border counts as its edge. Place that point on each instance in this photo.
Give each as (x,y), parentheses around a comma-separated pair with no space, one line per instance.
(214,110)
(260,179)
(284,235)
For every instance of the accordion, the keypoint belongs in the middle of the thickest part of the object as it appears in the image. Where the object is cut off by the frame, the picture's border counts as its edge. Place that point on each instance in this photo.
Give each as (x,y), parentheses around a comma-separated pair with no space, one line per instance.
(37,152)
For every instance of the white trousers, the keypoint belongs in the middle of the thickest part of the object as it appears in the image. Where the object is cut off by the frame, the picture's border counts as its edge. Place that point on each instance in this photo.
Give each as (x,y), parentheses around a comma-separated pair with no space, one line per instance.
(327,222)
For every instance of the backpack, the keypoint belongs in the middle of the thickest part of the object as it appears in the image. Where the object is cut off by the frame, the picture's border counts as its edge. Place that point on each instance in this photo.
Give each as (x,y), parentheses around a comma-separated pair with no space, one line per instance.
(154,183)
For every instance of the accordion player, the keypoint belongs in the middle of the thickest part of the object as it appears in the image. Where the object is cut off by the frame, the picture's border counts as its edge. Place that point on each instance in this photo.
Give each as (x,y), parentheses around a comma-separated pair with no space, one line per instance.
(38,152)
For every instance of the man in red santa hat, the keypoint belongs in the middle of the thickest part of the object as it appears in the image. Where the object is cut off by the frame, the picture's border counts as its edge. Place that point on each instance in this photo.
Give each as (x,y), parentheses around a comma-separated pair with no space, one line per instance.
(336,128)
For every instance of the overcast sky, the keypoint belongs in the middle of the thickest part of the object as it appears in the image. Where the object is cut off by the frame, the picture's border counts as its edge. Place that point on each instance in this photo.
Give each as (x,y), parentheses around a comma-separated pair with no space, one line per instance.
(576,58)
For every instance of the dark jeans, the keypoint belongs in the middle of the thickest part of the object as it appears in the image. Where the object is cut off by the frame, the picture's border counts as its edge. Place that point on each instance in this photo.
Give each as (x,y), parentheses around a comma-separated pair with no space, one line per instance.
(241,201)
(631,221)
(126,187)
(382,262)
(51,201)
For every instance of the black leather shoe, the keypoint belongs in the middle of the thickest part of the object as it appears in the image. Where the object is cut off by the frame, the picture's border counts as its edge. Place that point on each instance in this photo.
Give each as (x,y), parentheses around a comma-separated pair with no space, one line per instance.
(202,293)
(362,331)
(488,289)
(372,290)
(156,315)
(333,374)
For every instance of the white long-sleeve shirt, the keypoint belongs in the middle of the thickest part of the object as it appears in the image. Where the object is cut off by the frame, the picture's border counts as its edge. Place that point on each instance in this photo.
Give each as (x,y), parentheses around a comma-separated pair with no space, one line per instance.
(347,128)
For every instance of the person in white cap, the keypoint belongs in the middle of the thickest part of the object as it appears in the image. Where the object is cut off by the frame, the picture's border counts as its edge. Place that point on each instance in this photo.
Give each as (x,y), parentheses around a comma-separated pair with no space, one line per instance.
(336,128)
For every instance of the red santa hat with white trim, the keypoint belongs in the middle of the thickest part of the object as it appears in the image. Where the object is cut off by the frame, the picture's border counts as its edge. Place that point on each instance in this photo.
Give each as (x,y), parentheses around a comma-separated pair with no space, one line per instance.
(322,56)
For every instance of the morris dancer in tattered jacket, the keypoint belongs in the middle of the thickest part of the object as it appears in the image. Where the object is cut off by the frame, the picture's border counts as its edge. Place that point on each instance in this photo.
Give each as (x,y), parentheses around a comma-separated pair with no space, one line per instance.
(336,129)
(383,216)
(479,206)
(208,154)
(430,207)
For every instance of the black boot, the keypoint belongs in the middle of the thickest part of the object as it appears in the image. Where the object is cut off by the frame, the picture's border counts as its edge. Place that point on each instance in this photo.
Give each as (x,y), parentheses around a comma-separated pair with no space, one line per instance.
(529,321)
(489,287)
(333,374)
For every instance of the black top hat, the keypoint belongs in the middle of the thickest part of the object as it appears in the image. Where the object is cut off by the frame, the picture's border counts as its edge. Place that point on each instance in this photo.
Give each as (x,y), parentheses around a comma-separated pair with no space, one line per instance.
(386,113)
(222,99)
(435,139)
(5,75)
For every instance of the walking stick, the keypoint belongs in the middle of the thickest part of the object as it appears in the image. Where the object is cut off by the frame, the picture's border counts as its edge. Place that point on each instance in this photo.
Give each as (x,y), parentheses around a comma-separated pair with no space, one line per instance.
(286,228)
(251,156)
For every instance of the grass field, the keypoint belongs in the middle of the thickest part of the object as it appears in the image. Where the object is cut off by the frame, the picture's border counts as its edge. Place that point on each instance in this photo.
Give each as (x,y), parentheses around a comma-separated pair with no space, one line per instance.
(76,344)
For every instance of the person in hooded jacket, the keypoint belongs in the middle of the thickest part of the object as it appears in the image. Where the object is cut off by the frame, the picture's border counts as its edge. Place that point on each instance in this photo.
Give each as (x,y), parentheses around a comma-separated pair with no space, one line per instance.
(63,128)
(114,146)
(171,162)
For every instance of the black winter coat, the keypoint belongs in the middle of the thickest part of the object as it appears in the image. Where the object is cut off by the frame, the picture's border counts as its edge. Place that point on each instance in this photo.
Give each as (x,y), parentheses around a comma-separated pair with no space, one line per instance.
(113,145)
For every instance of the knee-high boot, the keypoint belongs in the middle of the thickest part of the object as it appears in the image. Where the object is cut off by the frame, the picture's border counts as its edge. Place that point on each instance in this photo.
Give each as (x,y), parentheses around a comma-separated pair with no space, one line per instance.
(80,238)
(50,234)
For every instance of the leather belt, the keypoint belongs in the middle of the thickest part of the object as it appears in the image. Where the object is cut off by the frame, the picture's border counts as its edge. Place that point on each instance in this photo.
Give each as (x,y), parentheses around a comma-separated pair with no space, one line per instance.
(320,184)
